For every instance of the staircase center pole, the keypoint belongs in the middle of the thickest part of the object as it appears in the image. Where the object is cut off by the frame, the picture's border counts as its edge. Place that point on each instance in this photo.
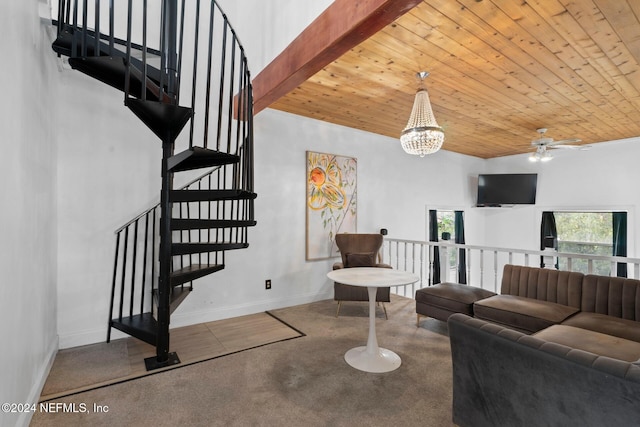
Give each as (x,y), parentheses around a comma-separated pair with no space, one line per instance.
(169,58)
(163,357)
(169,45)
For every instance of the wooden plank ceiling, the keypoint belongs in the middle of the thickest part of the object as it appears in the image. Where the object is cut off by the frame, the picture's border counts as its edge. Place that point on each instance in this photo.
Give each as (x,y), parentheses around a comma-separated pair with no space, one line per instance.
(499,69)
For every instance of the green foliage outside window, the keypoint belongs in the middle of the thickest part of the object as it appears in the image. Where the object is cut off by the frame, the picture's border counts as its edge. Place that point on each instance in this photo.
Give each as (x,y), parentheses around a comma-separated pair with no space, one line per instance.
(585,233)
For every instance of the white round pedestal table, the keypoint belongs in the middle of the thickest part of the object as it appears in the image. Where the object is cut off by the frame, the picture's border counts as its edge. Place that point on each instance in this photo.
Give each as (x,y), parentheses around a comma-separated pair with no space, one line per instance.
(372,358)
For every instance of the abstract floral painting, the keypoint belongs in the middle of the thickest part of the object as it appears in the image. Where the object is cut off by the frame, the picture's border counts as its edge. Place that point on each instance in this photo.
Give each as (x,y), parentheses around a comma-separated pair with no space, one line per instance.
(331,202)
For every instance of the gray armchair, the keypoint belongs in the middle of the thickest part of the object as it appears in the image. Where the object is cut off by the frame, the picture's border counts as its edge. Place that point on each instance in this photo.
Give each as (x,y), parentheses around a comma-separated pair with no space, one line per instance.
(359,250)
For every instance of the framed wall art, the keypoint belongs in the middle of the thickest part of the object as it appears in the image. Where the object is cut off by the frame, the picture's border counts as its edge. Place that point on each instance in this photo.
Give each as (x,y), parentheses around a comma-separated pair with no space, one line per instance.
(331,202)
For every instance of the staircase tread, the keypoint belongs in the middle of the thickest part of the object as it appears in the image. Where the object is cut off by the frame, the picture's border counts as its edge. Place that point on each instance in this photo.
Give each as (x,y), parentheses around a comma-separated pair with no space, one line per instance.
(201,247)
(160,117)
(142,326)
(193,272)
(195,224)
(210,195)
(200,157)
(195,267)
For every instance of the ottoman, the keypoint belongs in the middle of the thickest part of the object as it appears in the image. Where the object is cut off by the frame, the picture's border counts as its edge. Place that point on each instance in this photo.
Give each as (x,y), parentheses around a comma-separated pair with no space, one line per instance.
(442,300)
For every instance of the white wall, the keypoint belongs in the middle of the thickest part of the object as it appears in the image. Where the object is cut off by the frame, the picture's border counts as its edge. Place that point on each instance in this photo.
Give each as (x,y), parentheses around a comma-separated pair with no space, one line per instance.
(602,178)
(108,172)
(28,214)
(393,190)
(266,27)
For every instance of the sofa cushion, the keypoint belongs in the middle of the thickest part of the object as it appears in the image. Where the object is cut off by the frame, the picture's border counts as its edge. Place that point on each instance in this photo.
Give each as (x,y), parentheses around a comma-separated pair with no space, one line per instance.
(611,325)
(367,259)
(525,314)
(615,296)
(562,287)
(593,342)
(451,297)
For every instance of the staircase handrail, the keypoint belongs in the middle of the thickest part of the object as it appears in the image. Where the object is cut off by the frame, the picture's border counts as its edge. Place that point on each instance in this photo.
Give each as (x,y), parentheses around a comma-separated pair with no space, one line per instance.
(184,187)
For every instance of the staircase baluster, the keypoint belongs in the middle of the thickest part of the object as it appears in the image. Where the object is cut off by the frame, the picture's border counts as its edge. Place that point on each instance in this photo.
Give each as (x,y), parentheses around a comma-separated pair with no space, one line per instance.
(61,17)
(189,232)
(111,27)
(124,272)
(180,47)
(199,216)
(222,78)
(194,80)
(162,58)
(144,261)
(74,33)
(143,89)
(207,104)
(84,28)
(113,285)
(232,76)
(133,267)
(97,28)
(127,73)
(182,232)
(154,254)
(67,11)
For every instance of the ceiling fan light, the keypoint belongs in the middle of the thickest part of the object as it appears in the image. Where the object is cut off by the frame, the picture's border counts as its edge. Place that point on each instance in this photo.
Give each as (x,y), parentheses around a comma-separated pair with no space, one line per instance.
(533,157)
(422,135)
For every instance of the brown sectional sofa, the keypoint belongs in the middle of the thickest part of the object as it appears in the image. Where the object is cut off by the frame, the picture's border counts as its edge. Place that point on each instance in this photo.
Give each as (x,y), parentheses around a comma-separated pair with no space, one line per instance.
(554,348)
(534,299)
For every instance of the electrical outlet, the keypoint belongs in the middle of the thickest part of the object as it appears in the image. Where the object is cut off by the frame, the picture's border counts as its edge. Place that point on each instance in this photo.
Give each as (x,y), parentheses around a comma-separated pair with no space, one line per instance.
(267,284)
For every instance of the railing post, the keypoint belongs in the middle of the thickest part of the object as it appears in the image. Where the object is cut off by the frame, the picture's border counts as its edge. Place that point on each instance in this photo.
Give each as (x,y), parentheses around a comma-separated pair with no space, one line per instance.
(468,261)
(495,270)
(421,266)
(482,268)
(447,264)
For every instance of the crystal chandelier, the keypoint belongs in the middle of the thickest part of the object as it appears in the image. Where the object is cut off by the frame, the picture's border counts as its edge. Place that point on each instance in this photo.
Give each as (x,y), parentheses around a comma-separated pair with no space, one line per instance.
(422,135)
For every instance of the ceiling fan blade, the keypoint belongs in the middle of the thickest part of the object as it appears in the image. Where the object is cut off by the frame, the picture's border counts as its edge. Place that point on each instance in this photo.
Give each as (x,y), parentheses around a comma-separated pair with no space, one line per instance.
(564,141)
(572,147)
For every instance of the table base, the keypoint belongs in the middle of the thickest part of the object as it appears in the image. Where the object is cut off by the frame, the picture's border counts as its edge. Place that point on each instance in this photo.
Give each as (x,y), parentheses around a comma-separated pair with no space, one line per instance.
(381,361)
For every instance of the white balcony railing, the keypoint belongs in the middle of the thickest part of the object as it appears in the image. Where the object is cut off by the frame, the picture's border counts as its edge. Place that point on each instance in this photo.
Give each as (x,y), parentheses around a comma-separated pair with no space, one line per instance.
(484,264)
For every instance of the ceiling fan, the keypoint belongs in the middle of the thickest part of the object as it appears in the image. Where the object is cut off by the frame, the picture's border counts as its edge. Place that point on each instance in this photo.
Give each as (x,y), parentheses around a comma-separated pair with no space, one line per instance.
(543,144)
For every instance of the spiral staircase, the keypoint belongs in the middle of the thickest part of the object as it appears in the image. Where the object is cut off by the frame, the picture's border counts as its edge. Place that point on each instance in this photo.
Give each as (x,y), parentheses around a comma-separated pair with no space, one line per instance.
(172,60)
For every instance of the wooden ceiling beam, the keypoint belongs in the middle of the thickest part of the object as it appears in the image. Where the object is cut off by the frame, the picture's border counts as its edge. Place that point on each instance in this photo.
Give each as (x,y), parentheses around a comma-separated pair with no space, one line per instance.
(343,25)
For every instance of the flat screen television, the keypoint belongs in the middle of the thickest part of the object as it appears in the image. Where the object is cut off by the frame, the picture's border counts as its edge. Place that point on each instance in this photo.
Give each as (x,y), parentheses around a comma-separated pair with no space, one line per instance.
(507,189)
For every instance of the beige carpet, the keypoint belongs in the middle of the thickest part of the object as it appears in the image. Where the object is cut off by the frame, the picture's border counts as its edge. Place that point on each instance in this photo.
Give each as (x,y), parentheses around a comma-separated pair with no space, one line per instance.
(297,382)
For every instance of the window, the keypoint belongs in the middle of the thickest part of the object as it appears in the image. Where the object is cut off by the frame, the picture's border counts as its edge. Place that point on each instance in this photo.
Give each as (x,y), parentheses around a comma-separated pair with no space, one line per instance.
(446,224)
(585,233)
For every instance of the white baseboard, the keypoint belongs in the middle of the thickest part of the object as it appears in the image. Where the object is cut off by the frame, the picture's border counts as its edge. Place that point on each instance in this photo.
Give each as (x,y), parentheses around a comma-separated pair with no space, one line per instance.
(194,317)
(36,389)
(180,319)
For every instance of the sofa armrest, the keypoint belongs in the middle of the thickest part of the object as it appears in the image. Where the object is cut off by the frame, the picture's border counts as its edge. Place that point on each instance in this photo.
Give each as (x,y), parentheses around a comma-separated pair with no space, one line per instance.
(504,377)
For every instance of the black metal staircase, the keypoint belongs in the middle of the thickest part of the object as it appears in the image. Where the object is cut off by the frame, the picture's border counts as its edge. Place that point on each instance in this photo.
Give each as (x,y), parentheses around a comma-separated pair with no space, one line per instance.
(163,250)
